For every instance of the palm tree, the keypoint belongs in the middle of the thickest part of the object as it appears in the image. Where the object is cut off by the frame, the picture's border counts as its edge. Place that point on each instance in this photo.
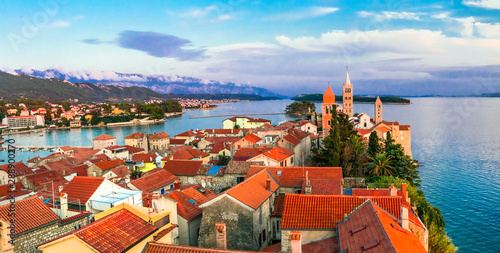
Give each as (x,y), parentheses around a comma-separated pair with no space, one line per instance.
(380,165)
(355,156)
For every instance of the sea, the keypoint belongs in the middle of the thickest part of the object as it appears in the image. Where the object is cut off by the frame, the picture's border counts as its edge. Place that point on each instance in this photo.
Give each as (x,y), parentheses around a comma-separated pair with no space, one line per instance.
(455,141)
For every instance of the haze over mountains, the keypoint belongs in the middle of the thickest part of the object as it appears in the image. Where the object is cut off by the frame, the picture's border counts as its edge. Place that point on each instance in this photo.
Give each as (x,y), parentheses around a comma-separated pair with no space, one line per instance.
(159,83)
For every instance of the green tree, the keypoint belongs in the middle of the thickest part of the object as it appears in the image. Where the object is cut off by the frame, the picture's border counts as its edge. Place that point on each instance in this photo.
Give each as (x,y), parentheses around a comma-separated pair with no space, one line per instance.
(303,107)
(330,154)
(355,156)
(373,144)
(380,165)
(223,160)
(65,121)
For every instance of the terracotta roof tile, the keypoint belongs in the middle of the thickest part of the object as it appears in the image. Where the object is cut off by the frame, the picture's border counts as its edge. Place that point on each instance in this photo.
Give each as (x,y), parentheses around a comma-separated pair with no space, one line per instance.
(250,152)
(292,139)
(252,191)
(115,232)
(121,171)
(326,245)
(189,200)
(372,225)
(160,135)
(133,150)
(135,135)
(304,211)
(154,181)
(278,153)
(183,167)
(19,167)
(324,186)
(177,141)
(46,179)
(235,167)
(222,131)
(252,138)
(154,247)
(106,165)
(295,176)
(104,137)
(30,214)
(164,232)
(146,158)
(82,188)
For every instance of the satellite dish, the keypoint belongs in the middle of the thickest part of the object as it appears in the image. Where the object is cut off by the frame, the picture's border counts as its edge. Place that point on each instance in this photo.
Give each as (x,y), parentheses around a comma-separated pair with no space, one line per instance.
(155,207)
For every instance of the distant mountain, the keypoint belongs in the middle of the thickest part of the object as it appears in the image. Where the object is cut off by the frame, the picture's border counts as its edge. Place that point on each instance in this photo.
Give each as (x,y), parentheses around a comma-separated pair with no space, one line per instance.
(52,90)
(159,83)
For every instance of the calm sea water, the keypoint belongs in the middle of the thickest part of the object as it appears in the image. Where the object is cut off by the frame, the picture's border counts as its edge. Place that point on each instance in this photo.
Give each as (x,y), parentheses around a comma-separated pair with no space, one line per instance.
(454,139)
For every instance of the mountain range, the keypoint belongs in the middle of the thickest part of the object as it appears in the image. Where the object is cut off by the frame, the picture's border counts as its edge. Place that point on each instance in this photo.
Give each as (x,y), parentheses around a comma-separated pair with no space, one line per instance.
(160,83)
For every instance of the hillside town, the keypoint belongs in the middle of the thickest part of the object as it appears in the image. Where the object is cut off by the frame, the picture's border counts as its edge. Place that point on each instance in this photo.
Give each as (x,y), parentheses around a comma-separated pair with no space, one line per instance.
(248,186)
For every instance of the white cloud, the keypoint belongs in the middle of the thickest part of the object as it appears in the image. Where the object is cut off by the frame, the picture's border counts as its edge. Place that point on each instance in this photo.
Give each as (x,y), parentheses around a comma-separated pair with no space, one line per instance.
(388,15)
(59,24)
(488,30)
(311,12)
(464,26)
(224,17)
(198,12)
(487,4)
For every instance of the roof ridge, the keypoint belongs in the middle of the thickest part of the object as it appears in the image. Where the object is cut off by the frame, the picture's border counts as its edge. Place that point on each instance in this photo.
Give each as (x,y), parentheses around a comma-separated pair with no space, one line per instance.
(382,226)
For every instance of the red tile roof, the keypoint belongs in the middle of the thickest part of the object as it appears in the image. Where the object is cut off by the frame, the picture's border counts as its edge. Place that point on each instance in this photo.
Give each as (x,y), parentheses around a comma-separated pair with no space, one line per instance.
(147,158)
(295,176)
(363,131)
(46,179)
(183,167)
(104,137)
(164,232)
(252,191)
(371,226)
(304,211)
(250,152)
(133,150)
(404,127)
(326,245)
(190,209)
(186,154)
(278,154)
(135,135)
(115,232)
(177,141)
(19,167)
(258,120)
(154,247)
(106,165)
(222,131)
(324,186)
(292,139)
(81,170)
(252,138)
(160,135)
(154,181)
(121,171)
(30,213)
(82,188)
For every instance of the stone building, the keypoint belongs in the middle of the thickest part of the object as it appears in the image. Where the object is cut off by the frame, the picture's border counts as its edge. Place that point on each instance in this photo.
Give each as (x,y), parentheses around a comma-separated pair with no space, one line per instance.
(137,140)
(100,168)
(159,141)
(35,223)
(299,143)
(103,141)
(347,96)
(246,210)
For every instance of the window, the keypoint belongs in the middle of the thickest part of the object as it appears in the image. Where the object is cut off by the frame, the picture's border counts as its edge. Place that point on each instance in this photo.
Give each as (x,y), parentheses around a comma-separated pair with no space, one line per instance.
(260,216)
(240,179)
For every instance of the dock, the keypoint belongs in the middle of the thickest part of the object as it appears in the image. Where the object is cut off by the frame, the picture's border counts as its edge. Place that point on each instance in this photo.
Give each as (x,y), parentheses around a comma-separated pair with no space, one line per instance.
(34,148)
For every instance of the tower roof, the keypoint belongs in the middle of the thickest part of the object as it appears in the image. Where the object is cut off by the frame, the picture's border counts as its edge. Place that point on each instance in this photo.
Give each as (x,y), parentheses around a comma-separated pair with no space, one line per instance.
(347,80)
(378,101)
(328,96)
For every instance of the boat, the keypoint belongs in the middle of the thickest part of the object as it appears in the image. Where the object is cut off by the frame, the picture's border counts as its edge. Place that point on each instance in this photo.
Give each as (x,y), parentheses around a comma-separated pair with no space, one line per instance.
(25,149)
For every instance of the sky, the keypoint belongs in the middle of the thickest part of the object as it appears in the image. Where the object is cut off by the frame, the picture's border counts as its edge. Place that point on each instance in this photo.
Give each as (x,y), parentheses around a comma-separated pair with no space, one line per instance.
(289,47)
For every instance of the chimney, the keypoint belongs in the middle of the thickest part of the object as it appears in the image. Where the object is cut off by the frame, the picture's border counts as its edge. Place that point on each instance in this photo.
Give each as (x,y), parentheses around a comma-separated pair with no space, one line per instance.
(220,235)
(296,241)
(64,205)
(393,190)
(177,185)
(307,189)
(268,183)
(403,188)
(157,202)
(404,218)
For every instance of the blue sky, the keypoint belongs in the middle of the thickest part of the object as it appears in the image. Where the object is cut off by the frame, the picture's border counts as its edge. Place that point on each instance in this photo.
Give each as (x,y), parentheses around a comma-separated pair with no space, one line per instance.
(391,47)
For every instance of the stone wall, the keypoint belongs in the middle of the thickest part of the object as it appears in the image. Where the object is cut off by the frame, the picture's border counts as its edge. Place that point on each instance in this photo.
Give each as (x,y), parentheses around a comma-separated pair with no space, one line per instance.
(214,183)
(353,182)
(28,241)
(239,225)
